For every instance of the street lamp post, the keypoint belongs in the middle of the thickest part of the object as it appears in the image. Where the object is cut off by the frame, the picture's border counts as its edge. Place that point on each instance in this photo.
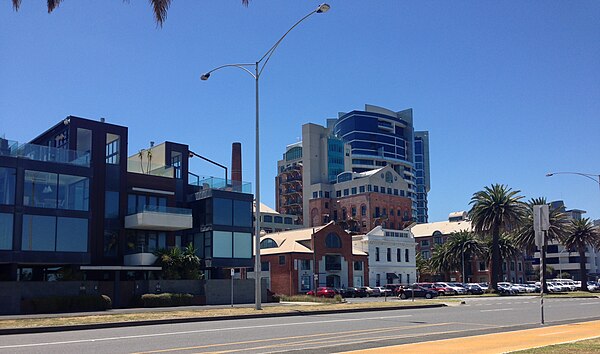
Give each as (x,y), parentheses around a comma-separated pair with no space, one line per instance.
(595,178)
(259,66)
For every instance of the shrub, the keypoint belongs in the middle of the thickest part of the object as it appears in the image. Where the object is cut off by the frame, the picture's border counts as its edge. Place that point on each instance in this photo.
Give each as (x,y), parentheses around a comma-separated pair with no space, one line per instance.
(166,300)
(71,303)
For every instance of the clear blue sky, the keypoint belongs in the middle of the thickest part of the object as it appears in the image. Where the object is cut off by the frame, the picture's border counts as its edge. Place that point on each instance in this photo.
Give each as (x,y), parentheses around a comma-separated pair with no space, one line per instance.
(508,90)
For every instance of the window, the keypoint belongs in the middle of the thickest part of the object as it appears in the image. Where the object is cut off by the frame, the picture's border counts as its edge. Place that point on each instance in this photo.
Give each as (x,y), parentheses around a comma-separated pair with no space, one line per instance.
(333,241)
(40,189)
(112,149)
(520,266)
(363,210)
(361,189)
(437,240)
(287,220)
(111,204)
(377,254)
(6,231)
(268,243)
(369,188)
(264,266)
(222,244)
(242,213)
(353,190)
(389,254)
(377,212)
(305,284)
(71,234)
(408,278)
(512,265)
(176,163)
(375,188)
(7,185)
(326,194)
(398,255)
(377,279)
(304,264)
(48,233)
(222,211)
(338,194)
(267,218)
(358,265)
(242,245)
(346,192)
(406,259)
(333,262)
(425,254)
(278,219)
(482,266)
(425,243)
(326,205)
(315,194)
(281,259)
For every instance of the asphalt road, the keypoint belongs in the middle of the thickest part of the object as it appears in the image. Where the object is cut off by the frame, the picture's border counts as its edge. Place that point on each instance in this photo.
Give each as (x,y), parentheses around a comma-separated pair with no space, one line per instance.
(315,333)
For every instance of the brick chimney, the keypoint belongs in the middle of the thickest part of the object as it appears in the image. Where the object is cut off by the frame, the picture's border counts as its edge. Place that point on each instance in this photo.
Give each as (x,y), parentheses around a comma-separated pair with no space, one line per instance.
(236,162)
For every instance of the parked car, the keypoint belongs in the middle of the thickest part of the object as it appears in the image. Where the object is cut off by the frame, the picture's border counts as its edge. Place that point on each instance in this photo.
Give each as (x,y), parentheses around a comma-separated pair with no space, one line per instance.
(393,288)
(352,292)
(593,286)
(484,286)
(506,289)
(384,291)
(458,287)
(323,292)
(417,291)
(443,289)
(459,290)
(371,291)
(473,289)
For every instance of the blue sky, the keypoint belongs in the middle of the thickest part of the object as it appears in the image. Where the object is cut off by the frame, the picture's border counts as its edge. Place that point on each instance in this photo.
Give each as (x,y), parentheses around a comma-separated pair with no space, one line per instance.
(508,90)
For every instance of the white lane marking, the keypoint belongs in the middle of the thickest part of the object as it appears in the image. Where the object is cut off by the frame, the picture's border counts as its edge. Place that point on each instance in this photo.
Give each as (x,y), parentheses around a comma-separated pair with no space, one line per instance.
(195,331)
(508,309)
(589,303)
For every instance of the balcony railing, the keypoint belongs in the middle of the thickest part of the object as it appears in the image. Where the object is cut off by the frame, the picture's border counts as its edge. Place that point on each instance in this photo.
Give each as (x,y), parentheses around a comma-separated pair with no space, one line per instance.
(162,218)
(220,184)
(43,153)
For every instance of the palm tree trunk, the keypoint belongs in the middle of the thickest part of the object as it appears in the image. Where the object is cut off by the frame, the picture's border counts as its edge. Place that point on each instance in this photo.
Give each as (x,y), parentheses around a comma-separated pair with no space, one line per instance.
(496,266)
(582,269)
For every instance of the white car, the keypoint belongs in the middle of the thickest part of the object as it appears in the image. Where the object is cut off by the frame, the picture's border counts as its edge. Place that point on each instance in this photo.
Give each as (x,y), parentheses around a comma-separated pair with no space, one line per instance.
(458,289)
(384,291)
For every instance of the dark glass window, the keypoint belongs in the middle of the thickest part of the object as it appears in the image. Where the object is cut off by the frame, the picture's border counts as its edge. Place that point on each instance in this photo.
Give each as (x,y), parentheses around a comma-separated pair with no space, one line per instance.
(287,220)
(333,241)
(7,185)
(281,259)
(222,244)
(39,233)
(222,211)
(278,219)
(358,265)
(112,149)
(72,235)
(268,243)
(242,213)
(363,210)
(389,254)
(377,254)
(111,243)
(40,189)
(131,204)
(406,255)
(242,245)
(267,218)
(73,192)
(264,266)
(6,231)
(111,204)
(398,255)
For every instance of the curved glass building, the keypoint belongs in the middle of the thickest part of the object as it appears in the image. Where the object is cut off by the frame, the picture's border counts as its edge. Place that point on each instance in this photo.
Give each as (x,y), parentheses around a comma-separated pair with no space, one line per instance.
(380,137)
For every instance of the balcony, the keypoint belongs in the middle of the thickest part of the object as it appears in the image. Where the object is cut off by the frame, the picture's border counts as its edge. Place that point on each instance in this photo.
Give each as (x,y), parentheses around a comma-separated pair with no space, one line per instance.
(220,184)
(160,219)
(139,259)
(43,153)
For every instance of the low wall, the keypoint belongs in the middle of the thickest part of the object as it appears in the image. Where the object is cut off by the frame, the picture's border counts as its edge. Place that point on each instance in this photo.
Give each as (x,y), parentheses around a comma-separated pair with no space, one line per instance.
(13,295)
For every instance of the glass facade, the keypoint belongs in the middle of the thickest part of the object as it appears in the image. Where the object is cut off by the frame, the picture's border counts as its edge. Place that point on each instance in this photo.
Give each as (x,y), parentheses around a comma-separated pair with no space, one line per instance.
(6,231)
(49,233)
(53,191)
(7,185)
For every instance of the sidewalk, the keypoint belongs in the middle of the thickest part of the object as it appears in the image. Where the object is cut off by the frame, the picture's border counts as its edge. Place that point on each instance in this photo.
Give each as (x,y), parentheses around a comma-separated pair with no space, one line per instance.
(500,342)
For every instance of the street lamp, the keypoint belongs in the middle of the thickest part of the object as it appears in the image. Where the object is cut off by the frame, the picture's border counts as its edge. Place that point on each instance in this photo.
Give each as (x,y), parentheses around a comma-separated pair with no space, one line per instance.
(259,66)
(595,178)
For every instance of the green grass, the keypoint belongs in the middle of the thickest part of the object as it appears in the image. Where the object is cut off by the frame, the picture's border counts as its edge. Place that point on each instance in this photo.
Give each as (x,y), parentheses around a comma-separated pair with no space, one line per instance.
(581,347)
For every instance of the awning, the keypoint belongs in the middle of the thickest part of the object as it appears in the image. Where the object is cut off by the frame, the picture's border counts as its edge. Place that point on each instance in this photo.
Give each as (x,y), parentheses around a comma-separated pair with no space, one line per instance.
(392,276)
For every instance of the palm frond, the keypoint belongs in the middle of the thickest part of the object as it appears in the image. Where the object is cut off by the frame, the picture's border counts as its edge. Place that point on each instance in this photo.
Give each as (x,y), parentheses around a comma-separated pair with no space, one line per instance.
(16,4)
(53,4)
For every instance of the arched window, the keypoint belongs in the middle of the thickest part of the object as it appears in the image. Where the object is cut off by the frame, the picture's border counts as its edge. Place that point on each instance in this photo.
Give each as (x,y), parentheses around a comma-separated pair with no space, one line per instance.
(333,241)
(268,243)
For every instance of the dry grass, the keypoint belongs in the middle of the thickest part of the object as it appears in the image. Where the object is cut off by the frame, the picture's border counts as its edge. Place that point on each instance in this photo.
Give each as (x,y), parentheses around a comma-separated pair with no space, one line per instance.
(582,347)
(199,313)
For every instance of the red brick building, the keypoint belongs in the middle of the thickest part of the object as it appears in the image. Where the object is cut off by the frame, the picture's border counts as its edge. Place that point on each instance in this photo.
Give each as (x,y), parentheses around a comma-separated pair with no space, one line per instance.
(288,260)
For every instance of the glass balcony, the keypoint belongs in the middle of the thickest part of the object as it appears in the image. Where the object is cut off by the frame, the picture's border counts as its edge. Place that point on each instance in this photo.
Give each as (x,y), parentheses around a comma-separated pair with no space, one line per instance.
(135,166)
(160,218)
(43,153)
(220,183)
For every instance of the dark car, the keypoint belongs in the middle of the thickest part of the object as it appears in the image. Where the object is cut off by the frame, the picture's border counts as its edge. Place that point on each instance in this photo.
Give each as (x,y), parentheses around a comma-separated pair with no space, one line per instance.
(352,292)
(473,289)
(393,288)
(323,292)
(417,291)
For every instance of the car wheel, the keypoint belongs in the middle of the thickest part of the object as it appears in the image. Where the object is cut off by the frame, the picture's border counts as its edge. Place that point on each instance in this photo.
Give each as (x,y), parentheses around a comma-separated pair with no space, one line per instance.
(403,296)
(469,292)
(442,293)
(428,296)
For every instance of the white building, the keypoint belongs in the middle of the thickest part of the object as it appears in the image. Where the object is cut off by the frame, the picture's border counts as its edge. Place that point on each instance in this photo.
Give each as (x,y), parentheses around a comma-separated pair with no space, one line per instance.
(391,255)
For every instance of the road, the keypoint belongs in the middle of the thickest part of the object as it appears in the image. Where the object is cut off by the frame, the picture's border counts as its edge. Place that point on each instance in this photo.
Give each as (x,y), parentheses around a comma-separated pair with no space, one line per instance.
(314,333)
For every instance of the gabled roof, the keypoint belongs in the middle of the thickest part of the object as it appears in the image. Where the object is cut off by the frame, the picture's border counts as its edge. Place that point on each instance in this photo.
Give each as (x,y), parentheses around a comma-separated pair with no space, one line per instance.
(445,227)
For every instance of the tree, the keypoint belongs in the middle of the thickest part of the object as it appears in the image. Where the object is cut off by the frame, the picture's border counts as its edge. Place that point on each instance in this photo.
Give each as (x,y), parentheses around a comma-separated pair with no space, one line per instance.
(524,235)
(178,264)
(461,246)
(496,209)
(582,235)
(441,260)
(160,8)
(507,247)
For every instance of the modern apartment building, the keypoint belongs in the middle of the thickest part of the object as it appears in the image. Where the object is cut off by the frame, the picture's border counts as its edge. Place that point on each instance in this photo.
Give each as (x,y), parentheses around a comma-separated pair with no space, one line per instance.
(71,200)
(315,174)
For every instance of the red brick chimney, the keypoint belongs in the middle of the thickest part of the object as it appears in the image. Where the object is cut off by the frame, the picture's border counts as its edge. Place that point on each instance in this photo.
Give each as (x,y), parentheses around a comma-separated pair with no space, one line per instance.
(236,162)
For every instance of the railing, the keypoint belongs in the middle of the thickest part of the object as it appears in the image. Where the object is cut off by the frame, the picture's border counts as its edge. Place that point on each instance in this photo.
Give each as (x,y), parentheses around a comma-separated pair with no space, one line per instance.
(163,209)
(135,166)
(220,183)
(43,153)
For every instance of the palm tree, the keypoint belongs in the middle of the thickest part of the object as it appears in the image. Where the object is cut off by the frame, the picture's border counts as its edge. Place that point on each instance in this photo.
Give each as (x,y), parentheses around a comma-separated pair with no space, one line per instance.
(160,8)
(508,249)
(582,235)
(496,209)
(524,236)
(461,245)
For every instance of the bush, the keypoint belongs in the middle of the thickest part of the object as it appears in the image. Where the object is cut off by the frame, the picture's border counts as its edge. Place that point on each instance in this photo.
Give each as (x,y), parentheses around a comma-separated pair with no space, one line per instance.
(166,300)
(71,303)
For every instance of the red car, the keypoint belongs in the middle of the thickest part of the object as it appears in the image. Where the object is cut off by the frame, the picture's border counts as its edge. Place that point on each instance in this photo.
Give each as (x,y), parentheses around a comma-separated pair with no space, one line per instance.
(322,292)
(442,290)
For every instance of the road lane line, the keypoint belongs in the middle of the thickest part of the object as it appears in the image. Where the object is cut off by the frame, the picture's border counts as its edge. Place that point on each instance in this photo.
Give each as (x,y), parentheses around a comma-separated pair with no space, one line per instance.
(589,303)
(195,331)
(495,310)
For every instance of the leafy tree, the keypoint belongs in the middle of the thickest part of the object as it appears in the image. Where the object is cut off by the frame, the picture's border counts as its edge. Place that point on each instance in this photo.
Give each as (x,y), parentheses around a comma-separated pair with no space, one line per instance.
(495,209)
(160,8)
(524,235)
(178,264)
(582,234)
(508,249)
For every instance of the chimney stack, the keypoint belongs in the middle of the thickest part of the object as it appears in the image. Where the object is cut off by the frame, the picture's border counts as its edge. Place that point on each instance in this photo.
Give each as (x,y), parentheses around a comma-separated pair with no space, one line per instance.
(236,163)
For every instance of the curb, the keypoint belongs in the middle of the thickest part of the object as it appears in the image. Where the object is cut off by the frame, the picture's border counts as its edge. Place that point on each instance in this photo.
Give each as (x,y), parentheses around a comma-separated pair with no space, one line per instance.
(30,330)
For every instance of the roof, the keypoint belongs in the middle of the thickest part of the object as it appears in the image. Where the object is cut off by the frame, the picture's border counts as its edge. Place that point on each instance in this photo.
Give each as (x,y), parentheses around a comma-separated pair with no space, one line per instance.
(445,227)
(264,209)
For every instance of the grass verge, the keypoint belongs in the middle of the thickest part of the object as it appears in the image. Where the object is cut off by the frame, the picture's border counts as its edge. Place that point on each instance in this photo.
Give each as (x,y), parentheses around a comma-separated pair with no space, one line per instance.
(580,347)
(199,313)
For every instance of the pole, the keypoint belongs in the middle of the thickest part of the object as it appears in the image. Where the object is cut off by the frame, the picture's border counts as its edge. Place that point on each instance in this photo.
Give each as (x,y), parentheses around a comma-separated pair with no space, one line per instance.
(232,275)
(463,263)
(542,276)
(257,266)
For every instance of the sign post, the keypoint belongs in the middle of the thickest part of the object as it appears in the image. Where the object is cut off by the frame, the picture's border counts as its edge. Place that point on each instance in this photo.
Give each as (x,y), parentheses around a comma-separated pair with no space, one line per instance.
(541,225)
(232,275)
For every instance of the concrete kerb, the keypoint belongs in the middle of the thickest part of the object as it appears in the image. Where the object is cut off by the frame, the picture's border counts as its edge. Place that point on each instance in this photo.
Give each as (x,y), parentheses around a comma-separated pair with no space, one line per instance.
(29,330)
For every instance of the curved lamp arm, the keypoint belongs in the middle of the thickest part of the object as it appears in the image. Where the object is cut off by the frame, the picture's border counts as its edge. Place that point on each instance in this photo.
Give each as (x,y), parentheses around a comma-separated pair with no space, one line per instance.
(586,175)
(242,66)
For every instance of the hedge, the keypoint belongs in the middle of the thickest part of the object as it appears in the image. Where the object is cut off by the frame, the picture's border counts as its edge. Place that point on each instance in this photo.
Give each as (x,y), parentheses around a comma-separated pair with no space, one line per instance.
(166,300)
(71,303)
